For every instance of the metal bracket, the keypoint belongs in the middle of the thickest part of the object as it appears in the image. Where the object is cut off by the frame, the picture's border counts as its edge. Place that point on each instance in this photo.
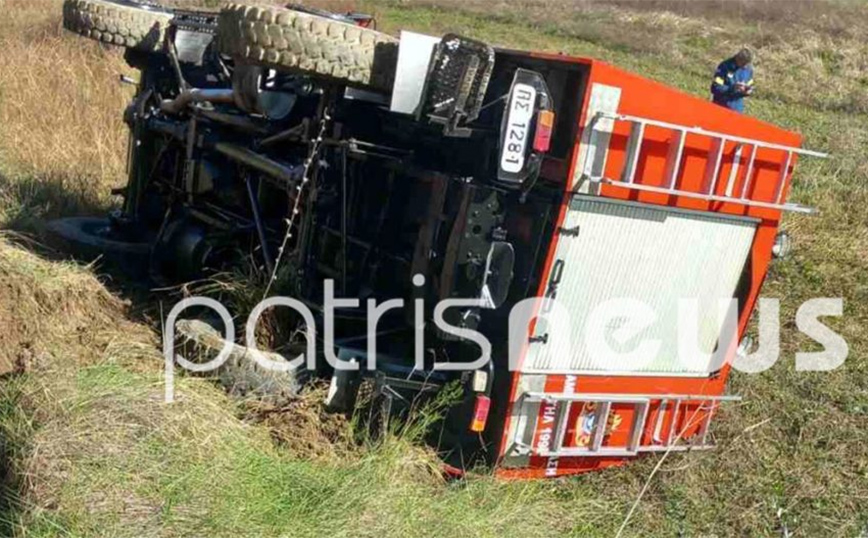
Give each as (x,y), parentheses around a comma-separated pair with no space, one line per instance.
(569,232)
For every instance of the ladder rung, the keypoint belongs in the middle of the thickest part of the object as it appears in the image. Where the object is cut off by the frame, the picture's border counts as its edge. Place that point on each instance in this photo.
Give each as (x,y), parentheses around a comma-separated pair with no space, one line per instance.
(782,178)
(634,148)
(673,160)
(600,426)
(640,417)
(733,173)
(706,423)
(658,425)
(712,171)
(670,439)
(749,173)
(563,422)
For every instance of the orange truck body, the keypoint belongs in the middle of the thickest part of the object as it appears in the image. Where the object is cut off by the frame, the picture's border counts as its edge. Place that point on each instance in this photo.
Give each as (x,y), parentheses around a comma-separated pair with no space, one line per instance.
(766,181)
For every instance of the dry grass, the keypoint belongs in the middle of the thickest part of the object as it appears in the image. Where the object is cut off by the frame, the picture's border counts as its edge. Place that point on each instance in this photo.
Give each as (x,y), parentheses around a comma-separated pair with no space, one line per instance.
(59,321)
(62,141)
(62,102)
(41,302)
(90,449)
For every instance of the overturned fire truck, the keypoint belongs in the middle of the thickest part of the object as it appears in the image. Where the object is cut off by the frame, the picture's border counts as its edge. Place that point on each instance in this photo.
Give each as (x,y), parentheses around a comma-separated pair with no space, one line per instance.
(314,148)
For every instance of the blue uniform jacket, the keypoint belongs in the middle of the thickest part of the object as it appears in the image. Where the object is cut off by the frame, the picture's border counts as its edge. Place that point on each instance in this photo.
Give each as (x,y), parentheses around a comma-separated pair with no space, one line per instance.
(723,90)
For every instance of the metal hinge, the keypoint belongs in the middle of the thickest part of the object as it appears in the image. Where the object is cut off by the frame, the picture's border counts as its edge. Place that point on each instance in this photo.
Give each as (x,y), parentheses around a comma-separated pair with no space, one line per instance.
(570,232)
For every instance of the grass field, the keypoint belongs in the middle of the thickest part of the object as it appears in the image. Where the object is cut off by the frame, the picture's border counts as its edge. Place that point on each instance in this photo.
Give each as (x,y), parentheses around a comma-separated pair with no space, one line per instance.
(89,449)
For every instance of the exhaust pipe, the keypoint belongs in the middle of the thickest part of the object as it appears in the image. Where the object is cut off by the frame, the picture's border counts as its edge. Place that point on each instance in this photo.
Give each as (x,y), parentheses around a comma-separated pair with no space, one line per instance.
(246,94)
(188,97)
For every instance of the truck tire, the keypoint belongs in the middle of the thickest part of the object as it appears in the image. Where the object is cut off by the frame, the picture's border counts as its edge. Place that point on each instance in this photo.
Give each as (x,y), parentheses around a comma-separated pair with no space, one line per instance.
(290,40)
(240,375)
(118,22)
(90,239)
(92,236)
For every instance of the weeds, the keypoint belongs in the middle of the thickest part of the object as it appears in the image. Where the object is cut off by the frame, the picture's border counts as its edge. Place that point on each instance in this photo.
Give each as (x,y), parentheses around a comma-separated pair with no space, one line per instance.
(61,104)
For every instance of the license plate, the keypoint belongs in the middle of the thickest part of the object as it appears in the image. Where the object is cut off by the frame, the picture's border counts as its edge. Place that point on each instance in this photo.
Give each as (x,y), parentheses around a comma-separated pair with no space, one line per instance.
(521,109)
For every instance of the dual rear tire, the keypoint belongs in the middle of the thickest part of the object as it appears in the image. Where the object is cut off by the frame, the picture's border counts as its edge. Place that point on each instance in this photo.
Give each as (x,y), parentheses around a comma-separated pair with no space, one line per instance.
(274,37)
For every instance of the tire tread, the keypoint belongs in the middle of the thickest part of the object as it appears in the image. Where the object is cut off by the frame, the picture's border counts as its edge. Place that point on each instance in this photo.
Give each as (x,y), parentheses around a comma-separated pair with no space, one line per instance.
(285,39)
(116,24)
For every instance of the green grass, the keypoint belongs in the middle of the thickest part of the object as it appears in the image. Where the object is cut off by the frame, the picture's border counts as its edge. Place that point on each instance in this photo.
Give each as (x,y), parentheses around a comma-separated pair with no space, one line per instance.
(106,457)
(95,453)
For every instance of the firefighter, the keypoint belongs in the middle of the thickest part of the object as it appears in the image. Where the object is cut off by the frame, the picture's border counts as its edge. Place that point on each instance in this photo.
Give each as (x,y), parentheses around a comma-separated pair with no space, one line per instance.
(733,81)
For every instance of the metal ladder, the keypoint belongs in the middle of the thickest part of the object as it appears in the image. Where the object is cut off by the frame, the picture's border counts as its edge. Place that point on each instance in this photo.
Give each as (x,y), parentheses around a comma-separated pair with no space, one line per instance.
(715,159)
(671,440)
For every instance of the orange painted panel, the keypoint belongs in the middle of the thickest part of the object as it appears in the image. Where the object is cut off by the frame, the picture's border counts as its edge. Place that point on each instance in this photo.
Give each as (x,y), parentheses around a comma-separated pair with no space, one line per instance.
(645,98)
